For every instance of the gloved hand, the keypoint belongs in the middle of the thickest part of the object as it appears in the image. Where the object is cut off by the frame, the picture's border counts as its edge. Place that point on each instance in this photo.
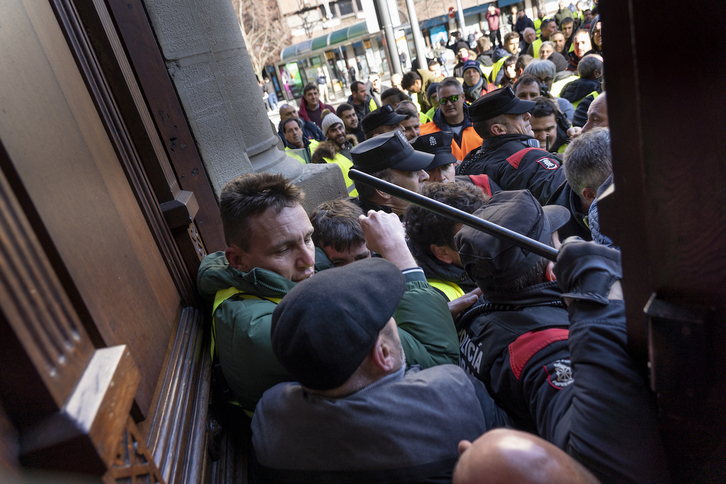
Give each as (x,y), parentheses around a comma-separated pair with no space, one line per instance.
(586,270)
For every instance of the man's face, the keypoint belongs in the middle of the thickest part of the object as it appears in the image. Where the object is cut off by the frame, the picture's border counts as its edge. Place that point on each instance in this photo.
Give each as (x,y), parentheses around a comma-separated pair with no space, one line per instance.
(561,5)
(416,86)
(376,82)
(396,81)
(540,14)
(518,124)
(542,127)
(567,29)
(520,14)
(410,180)
(512,45)
(288,112)
(312,97)
(453,111)
(435,68)
(530,35)
(547,28)
(444,173)
(354,253)
(280,242)
(545,52)
(294,135)
(359,95)
(471,77)
(527,92)
(411,128)
(337,133)
(559,40)
(582,44)
(597,35)
(597,115)
(349,119)
(463,54)
(587,16)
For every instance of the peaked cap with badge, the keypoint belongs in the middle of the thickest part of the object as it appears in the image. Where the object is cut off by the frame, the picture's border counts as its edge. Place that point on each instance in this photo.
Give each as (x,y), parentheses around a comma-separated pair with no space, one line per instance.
(437,144)
(388,150)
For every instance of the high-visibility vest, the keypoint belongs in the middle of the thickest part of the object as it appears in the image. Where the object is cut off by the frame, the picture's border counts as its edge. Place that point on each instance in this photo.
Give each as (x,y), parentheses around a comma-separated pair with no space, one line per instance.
(451,290)
(301,154)
(538,26)
(496,68)
(535,47)
(593,93)
(345,165)
(557,86)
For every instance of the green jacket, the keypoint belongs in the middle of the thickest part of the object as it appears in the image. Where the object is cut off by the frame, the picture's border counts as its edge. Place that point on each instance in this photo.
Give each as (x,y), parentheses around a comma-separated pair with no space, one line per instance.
(427,332)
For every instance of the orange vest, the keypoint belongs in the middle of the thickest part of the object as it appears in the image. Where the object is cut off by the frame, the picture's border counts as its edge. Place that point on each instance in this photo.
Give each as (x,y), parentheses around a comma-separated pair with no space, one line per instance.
(469,140)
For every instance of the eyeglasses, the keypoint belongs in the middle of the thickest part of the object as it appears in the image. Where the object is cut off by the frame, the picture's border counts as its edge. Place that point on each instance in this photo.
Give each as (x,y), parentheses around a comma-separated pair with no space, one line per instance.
(452,99)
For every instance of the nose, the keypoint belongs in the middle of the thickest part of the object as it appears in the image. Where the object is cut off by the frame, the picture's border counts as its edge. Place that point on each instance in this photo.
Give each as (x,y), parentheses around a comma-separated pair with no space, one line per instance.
(422,176)
(307,257)
(526,116)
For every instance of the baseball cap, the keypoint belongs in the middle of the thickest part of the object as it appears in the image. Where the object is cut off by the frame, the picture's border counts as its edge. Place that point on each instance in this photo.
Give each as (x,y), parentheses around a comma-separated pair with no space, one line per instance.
(492,261)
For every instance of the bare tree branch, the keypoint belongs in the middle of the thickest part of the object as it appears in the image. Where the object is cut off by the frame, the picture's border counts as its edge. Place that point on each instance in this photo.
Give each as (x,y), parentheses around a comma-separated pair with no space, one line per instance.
(264,30)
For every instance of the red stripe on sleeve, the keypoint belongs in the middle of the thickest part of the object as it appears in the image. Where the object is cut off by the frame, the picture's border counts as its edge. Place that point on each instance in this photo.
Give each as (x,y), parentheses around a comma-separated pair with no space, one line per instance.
(527,345)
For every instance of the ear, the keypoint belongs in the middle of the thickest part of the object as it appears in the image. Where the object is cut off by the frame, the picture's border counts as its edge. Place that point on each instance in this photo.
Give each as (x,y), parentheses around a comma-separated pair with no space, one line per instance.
(236,258)
(384,195)
(464,446)
(382,356)
(550,272)
(589,194)
(498,129)
(441,253)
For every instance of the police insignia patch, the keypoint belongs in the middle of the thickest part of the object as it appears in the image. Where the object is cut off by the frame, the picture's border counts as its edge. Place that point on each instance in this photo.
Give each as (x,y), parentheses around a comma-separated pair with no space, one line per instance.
(548,164)
(561,376)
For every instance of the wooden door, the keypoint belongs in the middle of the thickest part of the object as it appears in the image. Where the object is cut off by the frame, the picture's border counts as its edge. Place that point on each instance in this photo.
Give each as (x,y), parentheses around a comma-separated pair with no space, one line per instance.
(103,357)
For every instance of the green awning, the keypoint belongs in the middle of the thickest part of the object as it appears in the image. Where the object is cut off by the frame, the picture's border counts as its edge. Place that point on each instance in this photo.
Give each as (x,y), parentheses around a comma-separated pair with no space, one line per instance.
(324,41)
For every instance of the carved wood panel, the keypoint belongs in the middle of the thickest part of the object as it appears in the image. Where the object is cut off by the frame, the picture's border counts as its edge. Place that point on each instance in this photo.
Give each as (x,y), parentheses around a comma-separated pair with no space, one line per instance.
(117,276)
(134,463)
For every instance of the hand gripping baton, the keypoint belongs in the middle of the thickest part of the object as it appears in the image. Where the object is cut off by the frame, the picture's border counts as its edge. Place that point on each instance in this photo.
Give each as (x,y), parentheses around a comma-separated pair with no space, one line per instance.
(456,215)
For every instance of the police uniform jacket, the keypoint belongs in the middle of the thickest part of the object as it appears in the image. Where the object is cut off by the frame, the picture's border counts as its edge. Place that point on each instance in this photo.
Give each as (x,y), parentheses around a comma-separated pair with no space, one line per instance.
(515,162)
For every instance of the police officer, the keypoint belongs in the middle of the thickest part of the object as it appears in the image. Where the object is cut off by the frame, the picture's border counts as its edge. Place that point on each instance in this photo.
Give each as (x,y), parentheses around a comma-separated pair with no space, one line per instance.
(509,154)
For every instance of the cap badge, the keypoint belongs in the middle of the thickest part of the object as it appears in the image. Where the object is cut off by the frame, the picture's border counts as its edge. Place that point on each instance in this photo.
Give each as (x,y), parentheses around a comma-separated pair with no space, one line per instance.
(432,141)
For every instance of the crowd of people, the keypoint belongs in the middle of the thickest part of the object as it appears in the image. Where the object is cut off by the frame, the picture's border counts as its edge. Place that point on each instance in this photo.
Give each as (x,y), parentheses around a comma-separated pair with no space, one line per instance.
(373,340)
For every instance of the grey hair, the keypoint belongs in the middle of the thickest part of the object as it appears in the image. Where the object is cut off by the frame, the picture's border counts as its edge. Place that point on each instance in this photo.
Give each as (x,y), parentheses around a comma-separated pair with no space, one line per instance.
(588,65)
(449,81)
(541,69)
(551,44)
(588,160)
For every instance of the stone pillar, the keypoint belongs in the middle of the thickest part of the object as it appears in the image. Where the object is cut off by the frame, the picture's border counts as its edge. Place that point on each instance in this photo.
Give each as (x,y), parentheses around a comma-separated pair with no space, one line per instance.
(208,62)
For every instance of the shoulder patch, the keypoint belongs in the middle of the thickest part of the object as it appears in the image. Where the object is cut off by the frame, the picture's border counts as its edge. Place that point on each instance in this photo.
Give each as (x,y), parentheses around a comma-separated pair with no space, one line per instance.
(516,158)
(559,375)
(527,345)
(548,163)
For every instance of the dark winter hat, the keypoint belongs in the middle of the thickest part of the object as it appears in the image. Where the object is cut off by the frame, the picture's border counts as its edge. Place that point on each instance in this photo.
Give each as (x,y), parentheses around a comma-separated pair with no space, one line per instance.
(383,116)
(439,145)
(472,64)
(389,150)
(432,89)
(501,101)
(326,325)
(492,262)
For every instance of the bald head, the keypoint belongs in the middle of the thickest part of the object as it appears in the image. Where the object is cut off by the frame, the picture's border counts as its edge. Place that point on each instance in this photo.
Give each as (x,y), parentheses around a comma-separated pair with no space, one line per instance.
(597,114)
(504,456)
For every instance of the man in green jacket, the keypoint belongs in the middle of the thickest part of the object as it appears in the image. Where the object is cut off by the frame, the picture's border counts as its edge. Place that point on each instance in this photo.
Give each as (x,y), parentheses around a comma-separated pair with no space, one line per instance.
(270,249)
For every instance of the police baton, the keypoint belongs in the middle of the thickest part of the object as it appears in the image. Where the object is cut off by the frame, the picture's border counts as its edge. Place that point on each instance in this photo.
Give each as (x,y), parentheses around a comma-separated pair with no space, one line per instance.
(456,215)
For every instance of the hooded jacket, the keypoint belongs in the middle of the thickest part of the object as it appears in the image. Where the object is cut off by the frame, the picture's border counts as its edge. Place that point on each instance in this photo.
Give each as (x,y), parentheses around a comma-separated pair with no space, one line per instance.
(304,110)
(576,90)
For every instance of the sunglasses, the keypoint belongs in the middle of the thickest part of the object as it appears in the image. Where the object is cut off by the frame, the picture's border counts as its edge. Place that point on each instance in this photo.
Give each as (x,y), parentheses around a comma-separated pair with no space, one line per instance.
(452,99)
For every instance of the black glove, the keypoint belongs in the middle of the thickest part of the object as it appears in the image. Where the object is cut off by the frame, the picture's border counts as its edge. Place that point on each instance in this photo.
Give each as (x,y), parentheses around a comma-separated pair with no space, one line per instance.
(586,270)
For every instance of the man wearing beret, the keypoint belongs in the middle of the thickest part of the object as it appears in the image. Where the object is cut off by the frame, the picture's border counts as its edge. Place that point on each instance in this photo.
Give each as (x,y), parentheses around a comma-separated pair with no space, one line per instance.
(390,158)
(357,414)
(270,249)
(566,377)
(509,154)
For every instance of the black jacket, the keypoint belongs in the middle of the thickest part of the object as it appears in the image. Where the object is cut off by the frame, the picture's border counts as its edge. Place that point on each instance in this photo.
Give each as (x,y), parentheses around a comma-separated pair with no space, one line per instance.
(579,88)
(577,225)
(515,162)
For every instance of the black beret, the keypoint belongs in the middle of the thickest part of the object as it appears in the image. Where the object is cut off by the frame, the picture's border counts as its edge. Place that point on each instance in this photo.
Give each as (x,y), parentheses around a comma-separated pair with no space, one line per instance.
(325,326)
(499,260)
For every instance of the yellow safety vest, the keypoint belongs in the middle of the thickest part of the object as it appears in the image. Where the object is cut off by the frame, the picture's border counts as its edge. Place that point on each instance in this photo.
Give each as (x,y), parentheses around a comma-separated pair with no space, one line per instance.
(593,93)
(535,47)
(301,154)
(450,289)
(496,68)
(345,164)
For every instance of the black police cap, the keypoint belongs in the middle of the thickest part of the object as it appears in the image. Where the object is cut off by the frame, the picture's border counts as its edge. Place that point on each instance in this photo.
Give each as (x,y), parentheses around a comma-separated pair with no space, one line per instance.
(389,150)
(439,145)
(501,101)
